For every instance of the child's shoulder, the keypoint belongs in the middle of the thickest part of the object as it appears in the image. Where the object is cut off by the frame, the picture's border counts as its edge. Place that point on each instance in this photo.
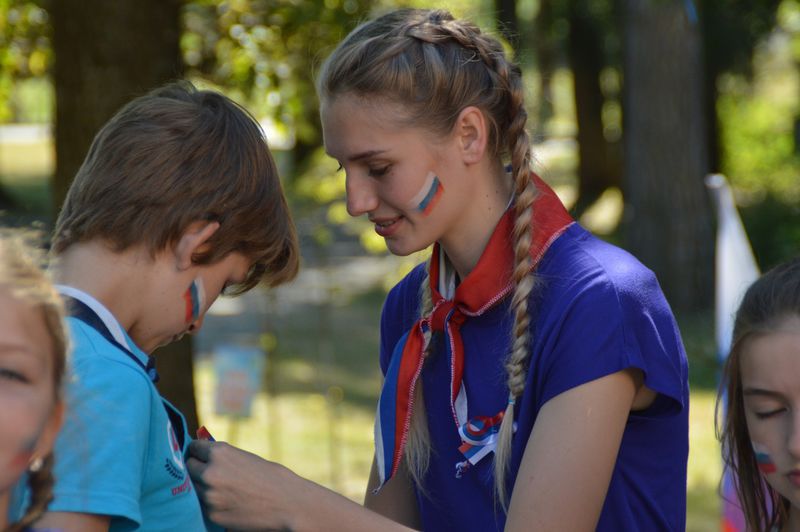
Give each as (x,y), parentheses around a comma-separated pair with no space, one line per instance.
(94,359)
(581,259)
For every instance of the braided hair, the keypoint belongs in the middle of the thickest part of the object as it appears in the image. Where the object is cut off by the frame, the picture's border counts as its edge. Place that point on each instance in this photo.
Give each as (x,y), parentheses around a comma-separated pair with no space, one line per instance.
(40,483)
(435,66)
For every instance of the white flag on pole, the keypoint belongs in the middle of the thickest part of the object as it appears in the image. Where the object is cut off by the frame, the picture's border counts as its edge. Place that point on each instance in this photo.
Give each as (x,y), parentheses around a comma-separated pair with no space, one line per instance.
(736,270)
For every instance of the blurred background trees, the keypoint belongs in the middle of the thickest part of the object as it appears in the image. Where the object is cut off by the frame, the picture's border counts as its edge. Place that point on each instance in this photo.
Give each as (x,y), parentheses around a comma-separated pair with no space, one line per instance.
(632,103)
(677,80)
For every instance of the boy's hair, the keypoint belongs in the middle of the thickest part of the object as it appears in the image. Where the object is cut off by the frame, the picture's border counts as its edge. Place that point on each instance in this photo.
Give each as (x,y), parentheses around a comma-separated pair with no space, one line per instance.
(434,66)
(22,277)
(766,305)
(175,156)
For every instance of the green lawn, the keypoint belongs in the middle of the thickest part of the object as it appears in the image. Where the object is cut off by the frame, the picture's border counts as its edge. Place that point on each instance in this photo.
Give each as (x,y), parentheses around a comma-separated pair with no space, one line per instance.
(316,414)
(317,417)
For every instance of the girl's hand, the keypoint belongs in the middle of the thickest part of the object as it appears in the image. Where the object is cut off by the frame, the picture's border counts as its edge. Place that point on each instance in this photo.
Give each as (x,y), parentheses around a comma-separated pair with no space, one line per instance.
(245,492)
(239,489)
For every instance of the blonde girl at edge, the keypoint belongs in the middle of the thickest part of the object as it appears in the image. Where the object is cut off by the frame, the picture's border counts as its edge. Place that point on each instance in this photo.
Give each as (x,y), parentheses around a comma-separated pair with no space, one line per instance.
(534,375)
(33,360)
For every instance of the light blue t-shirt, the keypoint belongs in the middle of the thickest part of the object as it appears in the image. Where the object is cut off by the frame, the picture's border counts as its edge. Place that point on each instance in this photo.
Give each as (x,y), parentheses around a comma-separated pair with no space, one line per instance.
(117,453)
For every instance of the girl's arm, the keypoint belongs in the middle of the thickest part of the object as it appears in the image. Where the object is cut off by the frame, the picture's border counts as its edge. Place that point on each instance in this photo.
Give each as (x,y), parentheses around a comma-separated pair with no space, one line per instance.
(245,492)
(396,500)
(570,455)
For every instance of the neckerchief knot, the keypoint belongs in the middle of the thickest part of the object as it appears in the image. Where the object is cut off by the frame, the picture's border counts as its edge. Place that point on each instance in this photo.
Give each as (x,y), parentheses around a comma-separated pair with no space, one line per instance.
(486,286)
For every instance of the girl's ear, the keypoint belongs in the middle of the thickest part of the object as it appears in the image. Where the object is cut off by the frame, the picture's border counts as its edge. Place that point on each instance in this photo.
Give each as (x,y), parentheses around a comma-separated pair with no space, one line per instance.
(472,134)
(193,240)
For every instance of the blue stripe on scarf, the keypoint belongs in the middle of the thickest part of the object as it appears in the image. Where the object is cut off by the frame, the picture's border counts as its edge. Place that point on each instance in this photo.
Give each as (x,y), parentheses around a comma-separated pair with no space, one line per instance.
(388,407)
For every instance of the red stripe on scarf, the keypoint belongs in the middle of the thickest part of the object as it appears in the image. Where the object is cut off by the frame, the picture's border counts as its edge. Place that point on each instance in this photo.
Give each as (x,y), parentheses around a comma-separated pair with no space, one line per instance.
(485,286)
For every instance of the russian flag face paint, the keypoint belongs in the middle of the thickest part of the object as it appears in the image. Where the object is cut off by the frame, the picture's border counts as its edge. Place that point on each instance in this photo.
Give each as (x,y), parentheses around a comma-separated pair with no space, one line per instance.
(194,298)
(428,196)
(765,463)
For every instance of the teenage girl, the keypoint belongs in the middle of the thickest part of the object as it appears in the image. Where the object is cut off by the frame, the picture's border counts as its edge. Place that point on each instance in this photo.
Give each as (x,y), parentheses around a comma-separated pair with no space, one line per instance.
(534,375)
(760,429)
(32,359)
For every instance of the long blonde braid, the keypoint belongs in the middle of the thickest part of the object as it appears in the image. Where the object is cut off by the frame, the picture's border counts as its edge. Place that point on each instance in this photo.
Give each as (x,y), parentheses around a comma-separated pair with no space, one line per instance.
(435,66)
(509,78)
(417,452)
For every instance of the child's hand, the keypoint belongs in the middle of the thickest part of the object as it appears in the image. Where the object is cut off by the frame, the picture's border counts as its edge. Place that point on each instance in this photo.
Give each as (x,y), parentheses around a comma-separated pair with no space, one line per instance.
(238,489)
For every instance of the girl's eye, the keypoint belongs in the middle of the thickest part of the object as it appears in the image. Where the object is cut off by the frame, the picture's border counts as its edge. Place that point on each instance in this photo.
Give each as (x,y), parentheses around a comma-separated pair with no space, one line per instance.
(769,413)
(379,172)
(12,375)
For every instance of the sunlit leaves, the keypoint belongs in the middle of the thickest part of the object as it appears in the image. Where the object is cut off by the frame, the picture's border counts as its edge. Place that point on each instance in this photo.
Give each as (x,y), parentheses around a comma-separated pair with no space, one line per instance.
(268,50)
(25,49)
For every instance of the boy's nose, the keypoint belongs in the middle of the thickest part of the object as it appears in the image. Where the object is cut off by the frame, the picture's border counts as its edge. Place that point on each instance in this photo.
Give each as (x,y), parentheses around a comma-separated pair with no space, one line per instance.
(361,197)
(196,324)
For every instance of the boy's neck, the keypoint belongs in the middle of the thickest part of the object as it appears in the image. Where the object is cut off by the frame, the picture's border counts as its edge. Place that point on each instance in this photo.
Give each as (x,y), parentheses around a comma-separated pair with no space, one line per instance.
(119,281)
(4,498)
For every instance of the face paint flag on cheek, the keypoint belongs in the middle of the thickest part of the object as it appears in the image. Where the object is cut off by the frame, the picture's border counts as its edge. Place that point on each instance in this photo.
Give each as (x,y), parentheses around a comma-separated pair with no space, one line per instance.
(428,196)
(194,298)
(765,464)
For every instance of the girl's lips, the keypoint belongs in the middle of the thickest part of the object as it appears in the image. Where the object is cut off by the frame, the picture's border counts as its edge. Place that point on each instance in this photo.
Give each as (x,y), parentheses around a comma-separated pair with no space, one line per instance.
(387,227)
(794,477)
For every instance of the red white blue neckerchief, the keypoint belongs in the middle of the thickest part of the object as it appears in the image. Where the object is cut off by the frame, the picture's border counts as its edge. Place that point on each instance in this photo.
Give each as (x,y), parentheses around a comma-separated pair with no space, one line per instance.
(486,285)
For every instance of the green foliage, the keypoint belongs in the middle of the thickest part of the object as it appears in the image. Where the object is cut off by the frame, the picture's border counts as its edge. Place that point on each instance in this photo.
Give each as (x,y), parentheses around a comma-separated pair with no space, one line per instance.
(761,161)
(25,49)
(267,50)
(758,135)
(732,29)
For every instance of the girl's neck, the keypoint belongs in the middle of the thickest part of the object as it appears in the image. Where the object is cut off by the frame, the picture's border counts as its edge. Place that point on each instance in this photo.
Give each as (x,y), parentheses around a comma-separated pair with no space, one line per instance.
(466,241)
(792,523)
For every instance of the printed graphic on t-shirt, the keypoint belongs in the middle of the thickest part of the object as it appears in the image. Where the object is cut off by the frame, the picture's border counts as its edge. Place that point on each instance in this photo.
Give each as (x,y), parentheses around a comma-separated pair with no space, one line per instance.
(174,463)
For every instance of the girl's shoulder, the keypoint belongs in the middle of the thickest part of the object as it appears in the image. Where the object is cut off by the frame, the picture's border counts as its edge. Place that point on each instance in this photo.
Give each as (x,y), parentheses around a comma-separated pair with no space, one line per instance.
(578,260)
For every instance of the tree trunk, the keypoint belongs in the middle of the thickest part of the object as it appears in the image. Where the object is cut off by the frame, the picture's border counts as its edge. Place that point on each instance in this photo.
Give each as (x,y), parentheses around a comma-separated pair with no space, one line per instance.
(106,53)
(507,21)
(711,94)
(546,55)
(596,168)
(668,216)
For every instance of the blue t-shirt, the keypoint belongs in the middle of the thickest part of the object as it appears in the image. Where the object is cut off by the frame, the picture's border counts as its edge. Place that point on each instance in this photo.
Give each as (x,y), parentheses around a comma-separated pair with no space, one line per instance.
(595,311)
(117,453)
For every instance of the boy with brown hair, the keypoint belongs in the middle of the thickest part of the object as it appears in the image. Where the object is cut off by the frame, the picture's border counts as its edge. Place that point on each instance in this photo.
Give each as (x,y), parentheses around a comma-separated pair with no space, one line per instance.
(177,201)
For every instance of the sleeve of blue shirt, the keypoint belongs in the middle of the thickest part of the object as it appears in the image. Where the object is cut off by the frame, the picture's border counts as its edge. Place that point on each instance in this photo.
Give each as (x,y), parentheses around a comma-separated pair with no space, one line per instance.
(605,322)
(101,450)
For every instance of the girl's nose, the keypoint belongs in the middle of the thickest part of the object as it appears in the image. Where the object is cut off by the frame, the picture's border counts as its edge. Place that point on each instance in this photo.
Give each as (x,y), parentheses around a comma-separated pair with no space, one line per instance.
(793,445)
(361,196)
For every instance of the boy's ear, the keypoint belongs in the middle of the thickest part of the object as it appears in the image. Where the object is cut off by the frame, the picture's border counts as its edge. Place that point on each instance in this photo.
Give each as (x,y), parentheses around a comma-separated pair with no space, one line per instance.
(193,240)
(472,134)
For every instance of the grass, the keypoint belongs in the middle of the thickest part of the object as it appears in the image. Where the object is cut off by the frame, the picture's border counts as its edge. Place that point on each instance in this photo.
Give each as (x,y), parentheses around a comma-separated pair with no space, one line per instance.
(315,413)
(317,416)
